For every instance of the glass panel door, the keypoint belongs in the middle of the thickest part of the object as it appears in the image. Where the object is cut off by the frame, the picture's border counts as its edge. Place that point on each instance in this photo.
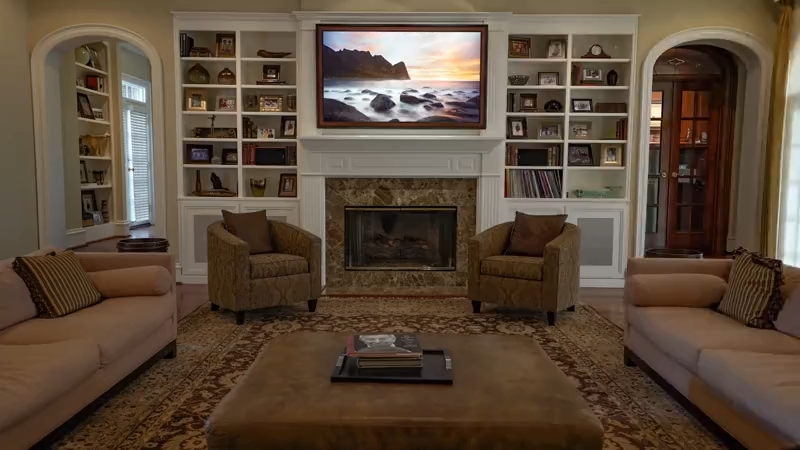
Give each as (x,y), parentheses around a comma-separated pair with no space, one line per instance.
(657,183)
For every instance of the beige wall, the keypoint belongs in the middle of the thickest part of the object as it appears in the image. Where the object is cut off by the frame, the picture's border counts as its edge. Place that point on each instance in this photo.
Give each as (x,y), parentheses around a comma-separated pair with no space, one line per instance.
(152,19)
(132,63)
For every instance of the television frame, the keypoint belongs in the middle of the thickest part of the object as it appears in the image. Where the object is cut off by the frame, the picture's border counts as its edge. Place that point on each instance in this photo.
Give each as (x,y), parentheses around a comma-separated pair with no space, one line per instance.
(479,125)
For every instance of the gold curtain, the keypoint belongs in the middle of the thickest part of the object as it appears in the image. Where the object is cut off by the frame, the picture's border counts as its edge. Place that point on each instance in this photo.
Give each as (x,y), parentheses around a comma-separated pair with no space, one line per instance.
(777,118)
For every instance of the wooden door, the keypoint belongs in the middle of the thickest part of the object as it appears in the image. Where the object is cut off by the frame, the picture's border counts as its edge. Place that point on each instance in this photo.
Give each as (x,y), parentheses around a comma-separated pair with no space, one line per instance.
(658,165)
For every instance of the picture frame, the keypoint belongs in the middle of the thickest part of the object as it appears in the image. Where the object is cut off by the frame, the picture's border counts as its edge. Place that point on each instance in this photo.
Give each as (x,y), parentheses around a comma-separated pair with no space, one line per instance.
(230,156)
(591,75)
(214,133)
(94,58)
(199,153)
(250,103)
(271,72)
(517,128)
(287,186)
(226,45)
(519,47)
(84,173)
(557,49)
(288,127)
(196,101)
(549,78)
(580,130)
(270,103)
(270,133)
(98,113)
(88,201)
(226,103)
(611,155)
(549,131)
(528,102)
(291,103)
(580,155)
(85,107)
(582,105)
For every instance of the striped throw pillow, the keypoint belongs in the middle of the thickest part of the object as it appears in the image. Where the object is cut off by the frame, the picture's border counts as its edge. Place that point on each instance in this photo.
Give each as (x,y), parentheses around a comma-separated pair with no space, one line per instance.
(753,296)
(57,283)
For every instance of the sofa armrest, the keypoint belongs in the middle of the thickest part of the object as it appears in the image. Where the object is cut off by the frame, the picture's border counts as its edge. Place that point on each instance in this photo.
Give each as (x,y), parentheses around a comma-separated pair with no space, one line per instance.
(717,267)
(97,261)
(296,241)
(132,281)
(490,242)
(561,274)
(228,267)
(692,290)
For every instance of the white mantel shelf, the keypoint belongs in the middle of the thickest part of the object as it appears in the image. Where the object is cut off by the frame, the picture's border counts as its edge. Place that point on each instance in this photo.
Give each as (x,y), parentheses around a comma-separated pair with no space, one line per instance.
(402,143)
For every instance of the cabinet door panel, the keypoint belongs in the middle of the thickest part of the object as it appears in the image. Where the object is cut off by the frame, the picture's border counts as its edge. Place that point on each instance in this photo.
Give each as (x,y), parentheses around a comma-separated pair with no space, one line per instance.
(195,220)
(601,240)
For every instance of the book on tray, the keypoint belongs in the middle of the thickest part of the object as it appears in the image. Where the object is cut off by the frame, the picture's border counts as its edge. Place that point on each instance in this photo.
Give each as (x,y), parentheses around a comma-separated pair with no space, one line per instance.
(382,351)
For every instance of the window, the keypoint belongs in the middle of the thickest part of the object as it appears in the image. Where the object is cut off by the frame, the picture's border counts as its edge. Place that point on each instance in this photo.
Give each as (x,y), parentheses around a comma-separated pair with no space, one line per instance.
(789,219)
(137,141)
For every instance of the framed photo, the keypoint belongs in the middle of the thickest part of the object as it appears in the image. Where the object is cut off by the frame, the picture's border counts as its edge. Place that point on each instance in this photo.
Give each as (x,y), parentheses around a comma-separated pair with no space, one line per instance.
(84,173)
(196,101)
(270,133)
(517,128)
(229,156)
(88,201)
(580,130)
(610,155)
(288,127)
(270,103)
(250,102)
(549,78)
(94,58)
(271,72)
(291,103)
(549,131)
(519,47)
(582,105)
(85,107)
(527,102)
(199,153)
(98,113)
(225,103)
(591,75)
(557,49)
(580,155)
(287,187)
(226,45)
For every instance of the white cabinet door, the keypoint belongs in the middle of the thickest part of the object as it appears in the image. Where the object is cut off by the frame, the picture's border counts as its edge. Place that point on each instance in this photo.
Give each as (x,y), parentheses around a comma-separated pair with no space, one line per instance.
(602,239)
(195,219)
(277,211)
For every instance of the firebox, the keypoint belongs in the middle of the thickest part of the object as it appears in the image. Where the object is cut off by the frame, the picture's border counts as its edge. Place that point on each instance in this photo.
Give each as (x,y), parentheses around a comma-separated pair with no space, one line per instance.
(400,237)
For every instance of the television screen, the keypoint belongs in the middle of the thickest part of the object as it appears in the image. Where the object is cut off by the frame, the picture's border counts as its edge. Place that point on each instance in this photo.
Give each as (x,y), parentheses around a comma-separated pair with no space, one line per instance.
(401,76)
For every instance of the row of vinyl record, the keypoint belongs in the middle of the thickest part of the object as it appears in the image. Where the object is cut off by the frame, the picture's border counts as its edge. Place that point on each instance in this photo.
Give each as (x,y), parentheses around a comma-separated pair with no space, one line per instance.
(530,183)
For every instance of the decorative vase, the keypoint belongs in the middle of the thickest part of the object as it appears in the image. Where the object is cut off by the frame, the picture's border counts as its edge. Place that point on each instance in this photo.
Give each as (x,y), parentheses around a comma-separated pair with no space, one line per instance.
(257,187)
(226,76)
(82,56)
(198,75)
(198,186)
(612,77)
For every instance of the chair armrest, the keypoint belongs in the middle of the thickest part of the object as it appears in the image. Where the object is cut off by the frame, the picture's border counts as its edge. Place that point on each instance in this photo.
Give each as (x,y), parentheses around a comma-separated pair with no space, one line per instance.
(97,261)
(228,267)
(717,267)
(692,290)
(561,275)
(490,242)
(142,281)
(296,241)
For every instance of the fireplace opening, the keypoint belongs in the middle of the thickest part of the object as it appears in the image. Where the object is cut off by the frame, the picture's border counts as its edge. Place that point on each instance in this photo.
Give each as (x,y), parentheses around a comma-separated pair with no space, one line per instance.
(400,237)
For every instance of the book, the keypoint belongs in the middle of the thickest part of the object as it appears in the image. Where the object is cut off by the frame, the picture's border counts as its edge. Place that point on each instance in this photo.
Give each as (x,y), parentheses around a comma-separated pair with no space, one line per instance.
(384,346)
(390,363)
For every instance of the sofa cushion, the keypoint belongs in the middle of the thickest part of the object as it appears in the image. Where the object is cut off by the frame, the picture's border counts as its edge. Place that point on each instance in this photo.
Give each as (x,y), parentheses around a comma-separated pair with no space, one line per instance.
(132,281)
(683,333)
(789,318)
(34,376)
(57,283)
(15,300)
(753,296)
(523,267)
(271,265)
(252,227)
(531,233)
(115,325)
(764,385)
(696,290)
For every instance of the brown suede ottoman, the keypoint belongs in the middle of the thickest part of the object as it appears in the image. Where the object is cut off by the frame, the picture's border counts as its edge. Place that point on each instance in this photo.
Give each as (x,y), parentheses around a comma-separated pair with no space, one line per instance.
(506,394)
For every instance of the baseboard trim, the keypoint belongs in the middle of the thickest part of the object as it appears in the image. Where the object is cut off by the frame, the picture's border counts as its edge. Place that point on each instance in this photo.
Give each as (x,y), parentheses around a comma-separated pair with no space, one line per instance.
(75,238)
(609,283)
(193,279)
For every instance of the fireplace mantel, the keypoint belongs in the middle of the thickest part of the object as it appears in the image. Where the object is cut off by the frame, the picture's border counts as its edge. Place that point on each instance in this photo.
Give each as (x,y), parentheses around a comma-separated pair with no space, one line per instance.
(465,143)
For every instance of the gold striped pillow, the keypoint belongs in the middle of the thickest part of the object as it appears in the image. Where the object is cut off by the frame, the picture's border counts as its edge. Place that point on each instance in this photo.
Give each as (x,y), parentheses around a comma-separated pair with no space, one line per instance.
(57,283)
(753,296)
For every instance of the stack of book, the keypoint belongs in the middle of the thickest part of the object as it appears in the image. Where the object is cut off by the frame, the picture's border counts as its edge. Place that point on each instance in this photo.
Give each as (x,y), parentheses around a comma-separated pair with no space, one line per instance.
(385,351)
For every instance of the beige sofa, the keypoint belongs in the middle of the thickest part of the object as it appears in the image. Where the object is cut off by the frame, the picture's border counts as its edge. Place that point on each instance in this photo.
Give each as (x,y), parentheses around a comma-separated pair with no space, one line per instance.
(746,380)
(53,369)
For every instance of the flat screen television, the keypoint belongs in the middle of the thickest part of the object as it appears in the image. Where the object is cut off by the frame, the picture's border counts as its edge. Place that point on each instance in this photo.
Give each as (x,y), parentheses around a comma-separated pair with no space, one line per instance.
(396,76)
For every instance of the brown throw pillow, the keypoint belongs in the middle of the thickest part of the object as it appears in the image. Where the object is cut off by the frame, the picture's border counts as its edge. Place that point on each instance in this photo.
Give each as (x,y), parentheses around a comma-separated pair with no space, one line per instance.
(252,228)
(57,283)
(753,296)
(530,234)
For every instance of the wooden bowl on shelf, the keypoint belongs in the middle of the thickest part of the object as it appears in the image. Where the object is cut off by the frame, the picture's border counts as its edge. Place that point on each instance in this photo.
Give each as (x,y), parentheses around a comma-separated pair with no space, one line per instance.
(518,80)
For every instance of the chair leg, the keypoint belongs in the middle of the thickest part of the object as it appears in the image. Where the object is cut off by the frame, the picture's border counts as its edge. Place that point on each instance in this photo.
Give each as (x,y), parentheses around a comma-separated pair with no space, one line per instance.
(239,317)
(551,318)
(476,307)
(214,307)
(627,359)
(172,351)
(312,305)
(571,308)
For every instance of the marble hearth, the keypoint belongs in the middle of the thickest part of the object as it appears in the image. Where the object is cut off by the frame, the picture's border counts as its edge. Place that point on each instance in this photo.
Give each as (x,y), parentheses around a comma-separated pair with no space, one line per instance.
(460,193)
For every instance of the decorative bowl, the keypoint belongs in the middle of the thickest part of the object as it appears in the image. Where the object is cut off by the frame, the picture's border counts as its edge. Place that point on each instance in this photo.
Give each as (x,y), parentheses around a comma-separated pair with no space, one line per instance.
(518,80)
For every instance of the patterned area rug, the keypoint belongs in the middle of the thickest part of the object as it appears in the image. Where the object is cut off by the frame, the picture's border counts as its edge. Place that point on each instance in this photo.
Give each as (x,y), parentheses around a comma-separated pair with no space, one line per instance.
(166,407)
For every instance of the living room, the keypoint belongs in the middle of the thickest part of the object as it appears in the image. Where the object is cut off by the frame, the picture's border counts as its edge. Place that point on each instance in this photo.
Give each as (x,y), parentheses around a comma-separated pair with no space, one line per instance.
(512,206)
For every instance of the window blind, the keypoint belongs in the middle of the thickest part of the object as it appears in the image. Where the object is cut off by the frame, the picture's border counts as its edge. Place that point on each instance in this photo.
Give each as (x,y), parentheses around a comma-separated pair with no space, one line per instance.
(136,124)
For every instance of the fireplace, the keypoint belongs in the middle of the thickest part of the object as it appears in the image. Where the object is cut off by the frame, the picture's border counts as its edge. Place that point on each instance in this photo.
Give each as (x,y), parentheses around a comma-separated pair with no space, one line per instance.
(400,238)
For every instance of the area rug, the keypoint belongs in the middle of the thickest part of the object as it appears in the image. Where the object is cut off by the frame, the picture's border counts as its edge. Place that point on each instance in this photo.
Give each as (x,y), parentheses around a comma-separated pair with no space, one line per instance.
(166,408)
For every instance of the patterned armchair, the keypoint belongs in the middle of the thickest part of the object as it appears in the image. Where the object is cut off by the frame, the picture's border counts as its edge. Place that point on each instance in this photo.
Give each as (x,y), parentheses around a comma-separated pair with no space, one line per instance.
(549,283)
(241,282)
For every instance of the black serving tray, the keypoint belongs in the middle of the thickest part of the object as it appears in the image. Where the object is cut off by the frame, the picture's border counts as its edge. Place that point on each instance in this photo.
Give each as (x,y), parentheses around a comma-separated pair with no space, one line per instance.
(437,368)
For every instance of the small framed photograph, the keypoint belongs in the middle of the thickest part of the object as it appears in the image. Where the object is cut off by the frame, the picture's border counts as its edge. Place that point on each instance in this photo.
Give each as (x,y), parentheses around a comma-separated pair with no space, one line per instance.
(557,49)
(580,155)
(291,103)
(527,102)
(271,72)
(88,201)
(519,47)
(85,107)
(582,105)
(196,101)
(250,102)
(517,128)
(610,155)
(580,130)
(98,113)
(549,131)
(230,156)
(84,173)
(94,58)
(225,103)
(270,133)
(226,45)
(270,103)
(549,78)
(79,82)
(199,153)
(287,187)
(591,75)
(288,127)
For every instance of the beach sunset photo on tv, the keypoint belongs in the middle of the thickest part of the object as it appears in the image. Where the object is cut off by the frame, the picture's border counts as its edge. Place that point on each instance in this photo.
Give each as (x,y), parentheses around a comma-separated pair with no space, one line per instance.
(393,76)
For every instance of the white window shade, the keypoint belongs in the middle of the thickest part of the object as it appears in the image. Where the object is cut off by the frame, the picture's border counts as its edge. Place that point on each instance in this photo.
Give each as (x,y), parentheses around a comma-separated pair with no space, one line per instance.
(136,128)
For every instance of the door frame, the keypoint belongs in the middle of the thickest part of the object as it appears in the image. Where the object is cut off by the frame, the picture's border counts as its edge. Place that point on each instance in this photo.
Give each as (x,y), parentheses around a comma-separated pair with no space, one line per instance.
(757,60)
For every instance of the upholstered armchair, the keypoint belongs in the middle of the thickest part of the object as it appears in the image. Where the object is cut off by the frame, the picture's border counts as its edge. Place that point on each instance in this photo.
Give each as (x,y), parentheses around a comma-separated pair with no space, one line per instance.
(239,281)
(548,283)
